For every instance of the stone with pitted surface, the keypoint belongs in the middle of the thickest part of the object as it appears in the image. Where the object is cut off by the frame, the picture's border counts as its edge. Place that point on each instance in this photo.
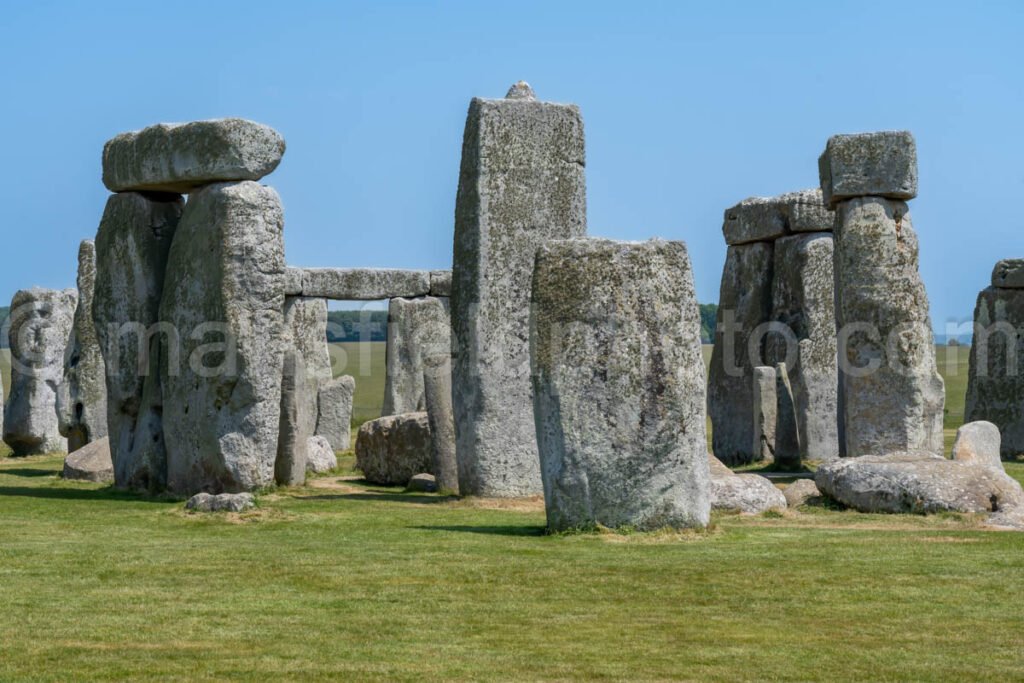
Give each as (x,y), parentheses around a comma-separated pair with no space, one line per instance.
(880,164)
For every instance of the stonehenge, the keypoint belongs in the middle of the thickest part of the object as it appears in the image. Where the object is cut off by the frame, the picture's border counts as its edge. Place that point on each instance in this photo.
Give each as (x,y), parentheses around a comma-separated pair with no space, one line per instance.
(416,328)
(334,411)
(392,449)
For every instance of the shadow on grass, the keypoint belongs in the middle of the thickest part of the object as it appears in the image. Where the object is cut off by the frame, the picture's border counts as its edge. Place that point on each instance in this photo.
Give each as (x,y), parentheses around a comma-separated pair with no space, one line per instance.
(383,496)
(103,494)
(28,472)
(498,530)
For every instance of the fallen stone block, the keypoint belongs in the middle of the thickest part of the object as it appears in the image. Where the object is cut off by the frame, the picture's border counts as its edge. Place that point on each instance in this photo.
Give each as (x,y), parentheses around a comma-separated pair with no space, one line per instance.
(801,492)
(979,443)
(391,449)
(869,165)
(91,462)
(744,493)
(222,502)
(321,456)
(422,483)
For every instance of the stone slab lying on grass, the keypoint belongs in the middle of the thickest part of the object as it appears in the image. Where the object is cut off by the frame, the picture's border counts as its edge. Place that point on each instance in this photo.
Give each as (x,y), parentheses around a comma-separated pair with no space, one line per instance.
(800,492)
(91,462)
(744,493)
(978,442)
(178,157)
(424,483)
(391,450)
(880,164)
(222,502)
(320,456)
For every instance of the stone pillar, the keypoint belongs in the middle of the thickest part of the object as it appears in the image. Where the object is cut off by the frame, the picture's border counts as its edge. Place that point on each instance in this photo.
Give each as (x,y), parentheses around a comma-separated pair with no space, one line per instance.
(437,395)
(40,325)
(334,412)
(305,326)
(295,424)
(995,383)
(765,406)
(413,325)
(82,398)
(619,389)
(893,395)
(787,439)
(521,185)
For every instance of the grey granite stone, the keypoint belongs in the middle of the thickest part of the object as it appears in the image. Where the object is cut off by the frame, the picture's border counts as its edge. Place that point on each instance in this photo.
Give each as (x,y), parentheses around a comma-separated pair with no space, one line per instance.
(91,462)
(869,165)
(334,420)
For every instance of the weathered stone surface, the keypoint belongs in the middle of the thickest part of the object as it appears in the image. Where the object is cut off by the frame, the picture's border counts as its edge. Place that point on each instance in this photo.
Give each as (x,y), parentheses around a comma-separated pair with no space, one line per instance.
(440,283)
(869,165)
(765,416)
(755,219)
(91,462)
(744,305)
(222,502)
(293,281)
(305,325)
(892,394)
(334,421)
(803,301)
(321,456)
(619,388)
(416,328)
(179,157)
(437,394)
(805,211)
(40,323)
(391,449)
(363,284)
(132,245)
(1009,274)
(744,493)
(995,382)
(978,442)
(221,411)
(801,492)
(521,184)
(82,396)
(787,439)
(295,426)
(918,482)
(423,483)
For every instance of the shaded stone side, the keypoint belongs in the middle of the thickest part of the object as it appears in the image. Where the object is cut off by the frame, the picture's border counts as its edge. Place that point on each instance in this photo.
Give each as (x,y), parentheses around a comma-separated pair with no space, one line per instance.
(132,245)
(521,184)
(619,388)
(416,328)
(744,306)
(765,414)
(224,293)
(295,429)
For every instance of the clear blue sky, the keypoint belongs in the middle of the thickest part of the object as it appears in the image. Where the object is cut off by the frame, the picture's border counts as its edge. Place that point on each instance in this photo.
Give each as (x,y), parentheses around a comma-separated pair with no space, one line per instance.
(688,108)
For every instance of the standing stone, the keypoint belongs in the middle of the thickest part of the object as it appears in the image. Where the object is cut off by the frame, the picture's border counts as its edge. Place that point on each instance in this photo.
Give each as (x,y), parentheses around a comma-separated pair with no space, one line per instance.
(295,430)
(744,306)
(787,440)
(893,395)
(995,381)
(978,442)
(132,245)
(334,412)
(413,325)
(40,323)
(765,407)
(803,300)
(305,324)
(1009,274)
(91,462)
(82,399)
(619,389)
(224,294)
(437,394)
(392,449)
(521,185)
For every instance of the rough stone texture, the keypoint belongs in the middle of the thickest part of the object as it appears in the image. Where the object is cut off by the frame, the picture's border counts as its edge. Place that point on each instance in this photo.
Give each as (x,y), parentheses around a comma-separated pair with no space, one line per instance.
(305,325)
(744,304)
(521,184)
(978,442)
(416,328)
(619,388)
(755,219)
(803,300)
(391,449)
(437,397)
(178,157)
(91,462)
(917,482)
(765,416)
(801,492)
(424,483)
(295,425)
(221,410)
(995,382)
(321,456)
(362,284)
(899,405)
(869,165)
(82,397)
(132,245)
(222,502)
(40,323)
(440,283)
(787,440)
(1009,274)
(334,420)
(805,211)
(293,281)
(744,493)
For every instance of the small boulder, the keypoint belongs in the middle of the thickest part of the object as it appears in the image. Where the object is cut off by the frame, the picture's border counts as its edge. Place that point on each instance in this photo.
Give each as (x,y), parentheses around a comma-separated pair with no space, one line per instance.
(979,443)
(391,450)
(320,457)
(91,462)
(801,492)
(222,502)
(423,483)
(745,493)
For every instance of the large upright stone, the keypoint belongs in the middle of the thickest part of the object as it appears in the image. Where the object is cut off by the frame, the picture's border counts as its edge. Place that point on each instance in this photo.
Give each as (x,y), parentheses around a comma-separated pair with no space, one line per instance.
(295,429)
(305,325)
(132,245)
(787,439)
(82,398)
(893,395)
(880,164)
(40,323)
(803,300)
(521,185)
(765,414)
(437,397)
(619,385)
(995,382)
(416,328)
(744,306)
(179,157)
(224,294)
(334,412)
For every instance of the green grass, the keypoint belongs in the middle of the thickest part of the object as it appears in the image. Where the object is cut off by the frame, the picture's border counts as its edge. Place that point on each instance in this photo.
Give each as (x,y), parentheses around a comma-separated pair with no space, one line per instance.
(347,581)
(365,361)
